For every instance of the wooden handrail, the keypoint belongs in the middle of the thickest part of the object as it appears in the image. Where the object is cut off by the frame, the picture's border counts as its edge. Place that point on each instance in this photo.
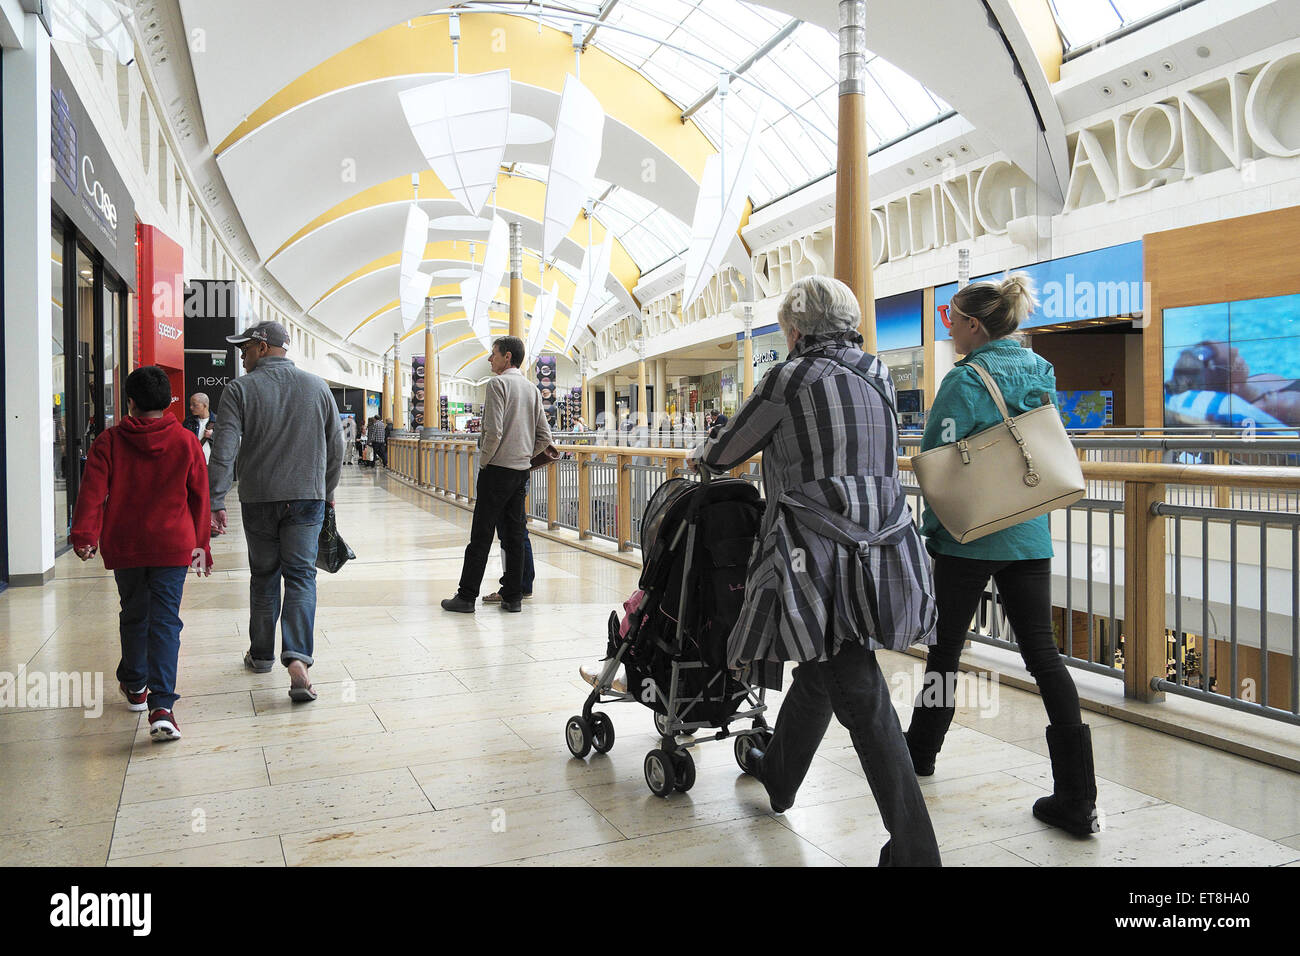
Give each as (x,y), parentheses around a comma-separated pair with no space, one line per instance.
(1237,476)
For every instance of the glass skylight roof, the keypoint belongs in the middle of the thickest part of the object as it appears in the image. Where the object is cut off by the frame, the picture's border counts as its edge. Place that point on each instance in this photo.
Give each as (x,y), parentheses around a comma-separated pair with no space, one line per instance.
(794,89)
(1084,21)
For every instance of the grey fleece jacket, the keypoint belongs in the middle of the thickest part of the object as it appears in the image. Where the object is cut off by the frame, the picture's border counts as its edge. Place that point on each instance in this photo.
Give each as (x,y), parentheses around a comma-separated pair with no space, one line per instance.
(284,425)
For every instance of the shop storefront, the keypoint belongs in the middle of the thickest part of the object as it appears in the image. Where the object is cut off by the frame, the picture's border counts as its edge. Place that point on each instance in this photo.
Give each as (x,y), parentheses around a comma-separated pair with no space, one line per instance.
(92,262)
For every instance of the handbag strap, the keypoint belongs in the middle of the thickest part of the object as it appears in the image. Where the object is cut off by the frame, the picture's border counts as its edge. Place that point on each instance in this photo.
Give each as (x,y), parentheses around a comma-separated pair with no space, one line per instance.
(996,394)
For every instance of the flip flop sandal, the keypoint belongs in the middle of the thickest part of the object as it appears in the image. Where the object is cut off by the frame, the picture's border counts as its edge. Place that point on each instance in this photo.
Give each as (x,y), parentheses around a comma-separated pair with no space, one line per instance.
(304,694)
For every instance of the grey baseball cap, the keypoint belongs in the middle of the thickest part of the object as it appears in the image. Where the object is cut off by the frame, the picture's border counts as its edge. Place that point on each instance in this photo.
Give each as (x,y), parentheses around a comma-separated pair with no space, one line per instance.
(272,333)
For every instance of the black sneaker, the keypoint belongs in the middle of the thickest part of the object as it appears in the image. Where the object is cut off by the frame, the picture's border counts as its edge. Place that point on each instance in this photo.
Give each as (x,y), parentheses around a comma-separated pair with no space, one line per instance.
(513,607)
(458,604)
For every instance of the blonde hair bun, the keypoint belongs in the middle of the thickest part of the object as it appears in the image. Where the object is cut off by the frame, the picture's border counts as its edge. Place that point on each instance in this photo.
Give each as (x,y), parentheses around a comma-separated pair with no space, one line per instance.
(1018,295)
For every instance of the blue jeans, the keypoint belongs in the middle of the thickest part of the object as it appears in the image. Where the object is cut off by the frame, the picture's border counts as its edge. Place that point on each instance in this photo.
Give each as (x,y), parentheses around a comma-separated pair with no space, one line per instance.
(150,627)
(282,538)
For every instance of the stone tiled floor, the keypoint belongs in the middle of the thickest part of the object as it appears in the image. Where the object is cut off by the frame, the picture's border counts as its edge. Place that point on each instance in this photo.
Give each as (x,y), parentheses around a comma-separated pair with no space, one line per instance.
(438,739)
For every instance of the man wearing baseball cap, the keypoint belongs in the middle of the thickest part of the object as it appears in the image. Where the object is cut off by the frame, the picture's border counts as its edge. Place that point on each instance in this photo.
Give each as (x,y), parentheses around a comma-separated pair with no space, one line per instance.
(283,426)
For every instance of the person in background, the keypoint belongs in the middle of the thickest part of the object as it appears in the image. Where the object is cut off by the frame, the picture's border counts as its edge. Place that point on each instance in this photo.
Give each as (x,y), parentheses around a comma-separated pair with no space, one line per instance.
(144,505)
(284,425)
(349,440)
(515,429)
(201,423)
(377,434)
(985,316)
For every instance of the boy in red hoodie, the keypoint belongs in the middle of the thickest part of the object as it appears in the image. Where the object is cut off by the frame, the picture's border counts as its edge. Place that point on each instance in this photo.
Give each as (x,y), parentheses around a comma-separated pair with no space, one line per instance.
(144,502)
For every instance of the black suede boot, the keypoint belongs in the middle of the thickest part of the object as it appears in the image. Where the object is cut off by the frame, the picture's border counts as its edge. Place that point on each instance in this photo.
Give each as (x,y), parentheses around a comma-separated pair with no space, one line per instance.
(925,736)
(1073,803)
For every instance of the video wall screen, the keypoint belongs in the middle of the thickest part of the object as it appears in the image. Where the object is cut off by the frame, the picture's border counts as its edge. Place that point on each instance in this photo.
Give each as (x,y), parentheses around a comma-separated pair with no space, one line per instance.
(1233,364)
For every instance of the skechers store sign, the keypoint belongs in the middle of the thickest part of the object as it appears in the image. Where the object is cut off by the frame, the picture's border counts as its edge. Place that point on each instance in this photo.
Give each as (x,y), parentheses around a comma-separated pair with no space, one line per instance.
(85,185)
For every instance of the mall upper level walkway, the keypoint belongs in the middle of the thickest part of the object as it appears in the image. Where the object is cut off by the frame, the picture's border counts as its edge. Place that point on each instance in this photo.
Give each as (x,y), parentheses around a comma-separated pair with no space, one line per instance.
(439,739)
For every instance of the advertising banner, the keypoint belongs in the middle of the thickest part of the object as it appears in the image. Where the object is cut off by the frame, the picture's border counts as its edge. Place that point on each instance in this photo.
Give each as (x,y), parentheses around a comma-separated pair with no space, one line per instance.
(546,367)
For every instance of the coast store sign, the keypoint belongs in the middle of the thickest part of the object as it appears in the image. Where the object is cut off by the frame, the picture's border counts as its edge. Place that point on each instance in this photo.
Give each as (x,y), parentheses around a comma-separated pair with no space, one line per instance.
(85,184)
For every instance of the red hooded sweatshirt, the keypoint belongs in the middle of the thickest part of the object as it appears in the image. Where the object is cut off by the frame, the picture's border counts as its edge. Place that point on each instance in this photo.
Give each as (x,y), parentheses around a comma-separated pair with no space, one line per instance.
(144,496)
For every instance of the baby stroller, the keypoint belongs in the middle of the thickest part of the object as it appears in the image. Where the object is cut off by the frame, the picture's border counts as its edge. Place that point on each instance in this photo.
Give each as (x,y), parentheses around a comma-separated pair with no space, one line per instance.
(697,538)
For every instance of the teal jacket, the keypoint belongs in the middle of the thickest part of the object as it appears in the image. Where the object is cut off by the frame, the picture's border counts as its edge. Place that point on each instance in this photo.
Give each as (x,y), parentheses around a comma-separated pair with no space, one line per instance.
(963,407)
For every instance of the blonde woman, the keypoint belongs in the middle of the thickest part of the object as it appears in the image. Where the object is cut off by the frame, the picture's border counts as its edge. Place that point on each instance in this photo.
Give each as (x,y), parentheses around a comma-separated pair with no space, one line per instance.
(985,317)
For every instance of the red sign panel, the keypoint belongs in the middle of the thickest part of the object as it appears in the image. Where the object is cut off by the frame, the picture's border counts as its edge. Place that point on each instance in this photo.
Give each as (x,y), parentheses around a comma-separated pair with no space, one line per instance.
(161,271)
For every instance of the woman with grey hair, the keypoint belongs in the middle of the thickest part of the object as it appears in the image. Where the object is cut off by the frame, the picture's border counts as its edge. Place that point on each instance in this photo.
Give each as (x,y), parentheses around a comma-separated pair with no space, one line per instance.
(825,423)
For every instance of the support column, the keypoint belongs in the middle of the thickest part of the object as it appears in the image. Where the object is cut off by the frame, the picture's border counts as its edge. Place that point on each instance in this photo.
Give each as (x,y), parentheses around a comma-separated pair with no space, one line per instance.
(611,421)
(399,418)
(386,400)
(749,352)
(430,377)
(852,199)
(585,410)
(517,281)
(642,419)
(28,351)
(661,389)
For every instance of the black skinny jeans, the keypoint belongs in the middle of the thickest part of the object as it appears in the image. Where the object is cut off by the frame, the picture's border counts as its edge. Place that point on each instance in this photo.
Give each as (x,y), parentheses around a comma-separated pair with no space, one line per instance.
(1026,591)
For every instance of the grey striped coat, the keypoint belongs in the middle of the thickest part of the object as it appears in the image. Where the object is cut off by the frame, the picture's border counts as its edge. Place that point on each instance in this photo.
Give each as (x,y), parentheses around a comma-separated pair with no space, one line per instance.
(825,435)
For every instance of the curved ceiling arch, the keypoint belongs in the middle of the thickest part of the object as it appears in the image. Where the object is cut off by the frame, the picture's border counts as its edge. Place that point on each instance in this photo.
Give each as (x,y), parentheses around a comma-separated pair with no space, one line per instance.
(341,241)
(423,45)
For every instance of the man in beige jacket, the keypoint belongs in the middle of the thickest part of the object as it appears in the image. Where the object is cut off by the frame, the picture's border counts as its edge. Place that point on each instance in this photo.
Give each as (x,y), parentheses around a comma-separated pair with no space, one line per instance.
(514,430)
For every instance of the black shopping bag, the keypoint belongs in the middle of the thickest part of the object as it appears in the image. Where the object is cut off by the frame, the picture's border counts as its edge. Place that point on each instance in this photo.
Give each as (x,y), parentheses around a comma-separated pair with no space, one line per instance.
(332,552)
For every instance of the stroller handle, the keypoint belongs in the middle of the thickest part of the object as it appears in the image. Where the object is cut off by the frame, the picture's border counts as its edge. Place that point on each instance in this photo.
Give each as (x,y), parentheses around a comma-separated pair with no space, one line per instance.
(706,471)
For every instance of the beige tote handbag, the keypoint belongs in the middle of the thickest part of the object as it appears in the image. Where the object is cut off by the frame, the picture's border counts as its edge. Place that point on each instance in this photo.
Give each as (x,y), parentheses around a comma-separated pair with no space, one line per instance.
(1002,475)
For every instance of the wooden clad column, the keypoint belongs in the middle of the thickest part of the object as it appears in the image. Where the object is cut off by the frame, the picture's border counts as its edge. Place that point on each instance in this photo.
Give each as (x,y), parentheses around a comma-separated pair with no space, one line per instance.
(1146,650)
(430,377)
(517,280)
(399,419)
(852,201)
(386,399)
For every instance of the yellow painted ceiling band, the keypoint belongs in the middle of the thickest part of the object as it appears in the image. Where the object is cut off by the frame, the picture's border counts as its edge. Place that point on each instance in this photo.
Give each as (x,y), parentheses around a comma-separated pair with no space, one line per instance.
(1040,27)
(517,194)
(494,42)
(530,303)
(453,251)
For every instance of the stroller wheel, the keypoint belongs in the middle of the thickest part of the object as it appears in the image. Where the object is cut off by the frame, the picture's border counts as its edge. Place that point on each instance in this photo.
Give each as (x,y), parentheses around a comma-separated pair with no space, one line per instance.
(762,739)
(602,733)
(662,724)
(741,750)
(684,766)
(660,776)
(577,734)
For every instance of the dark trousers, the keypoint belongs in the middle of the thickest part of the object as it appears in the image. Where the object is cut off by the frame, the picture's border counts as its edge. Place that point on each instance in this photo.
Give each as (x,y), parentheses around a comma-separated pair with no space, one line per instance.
(381,451)
(1026,591)
(530,572)
(499,503)
(851,687)
(150,628)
